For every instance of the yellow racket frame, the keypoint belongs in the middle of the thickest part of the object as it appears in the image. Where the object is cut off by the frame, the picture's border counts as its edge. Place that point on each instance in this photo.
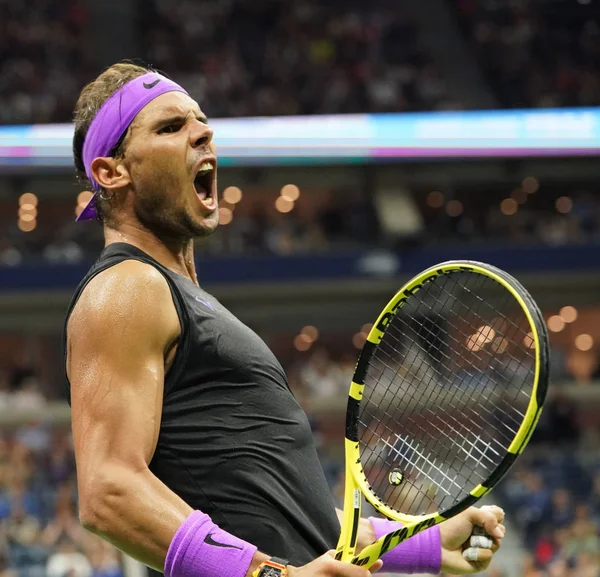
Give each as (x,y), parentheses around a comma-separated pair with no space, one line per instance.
(356,483)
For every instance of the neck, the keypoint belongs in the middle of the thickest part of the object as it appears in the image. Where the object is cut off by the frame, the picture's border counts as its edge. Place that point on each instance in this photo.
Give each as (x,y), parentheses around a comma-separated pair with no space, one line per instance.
(175,254)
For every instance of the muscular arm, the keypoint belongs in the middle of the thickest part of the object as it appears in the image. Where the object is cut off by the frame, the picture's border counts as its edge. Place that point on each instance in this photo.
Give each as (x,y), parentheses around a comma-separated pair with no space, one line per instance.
(118,336)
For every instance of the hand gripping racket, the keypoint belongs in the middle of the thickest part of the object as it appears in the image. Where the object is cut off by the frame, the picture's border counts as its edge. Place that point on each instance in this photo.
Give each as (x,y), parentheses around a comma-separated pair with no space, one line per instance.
(446,393)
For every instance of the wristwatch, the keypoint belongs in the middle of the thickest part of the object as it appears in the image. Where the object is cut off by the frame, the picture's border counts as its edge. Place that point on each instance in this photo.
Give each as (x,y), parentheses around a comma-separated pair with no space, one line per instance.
(273,567)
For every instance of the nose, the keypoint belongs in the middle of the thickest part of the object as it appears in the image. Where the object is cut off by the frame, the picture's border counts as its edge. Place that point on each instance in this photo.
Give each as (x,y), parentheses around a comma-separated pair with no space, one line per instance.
(201,134)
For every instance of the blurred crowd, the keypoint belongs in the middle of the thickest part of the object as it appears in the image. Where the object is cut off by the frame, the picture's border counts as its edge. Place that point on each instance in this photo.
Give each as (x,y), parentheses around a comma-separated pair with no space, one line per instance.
(276,58)
(259,58)
(40,533)
(536,53)
(44,59)
(552,499)
(554,217)
(554,494)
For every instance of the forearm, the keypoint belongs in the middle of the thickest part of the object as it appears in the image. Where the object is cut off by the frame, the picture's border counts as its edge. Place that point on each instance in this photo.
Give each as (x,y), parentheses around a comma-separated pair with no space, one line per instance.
(137,513)
(133,510)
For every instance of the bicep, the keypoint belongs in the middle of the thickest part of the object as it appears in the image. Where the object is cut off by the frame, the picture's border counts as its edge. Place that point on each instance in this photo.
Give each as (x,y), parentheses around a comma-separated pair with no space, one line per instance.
(117,337)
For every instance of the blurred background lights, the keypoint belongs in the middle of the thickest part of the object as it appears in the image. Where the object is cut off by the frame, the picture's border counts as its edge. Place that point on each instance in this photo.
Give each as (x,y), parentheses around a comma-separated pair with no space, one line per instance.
(480,338)
(435,199)
(290,192)
(509,206)
(564,204)
(358,340)
(310,333)
(528,341)
(530,184)
(584,342)
(302,342)
(232,194)
(28,198)
(568,314)
(26,225)
(284,205)
(556,323)
(27,212)
(454,208)
(366,329)
(225,215)
(499,345)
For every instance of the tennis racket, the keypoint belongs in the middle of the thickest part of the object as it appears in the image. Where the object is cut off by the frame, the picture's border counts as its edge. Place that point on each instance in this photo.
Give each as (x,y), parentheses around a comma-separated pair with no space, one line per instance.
(446,393)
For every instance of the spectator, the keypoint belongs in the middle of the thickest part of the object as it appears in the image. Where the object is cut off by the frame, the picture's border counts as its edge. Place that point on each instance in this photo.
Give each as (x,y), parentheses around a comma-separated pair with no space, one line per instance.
(562,512)
(321,376)
(511,40)
(67,561)
(26,552)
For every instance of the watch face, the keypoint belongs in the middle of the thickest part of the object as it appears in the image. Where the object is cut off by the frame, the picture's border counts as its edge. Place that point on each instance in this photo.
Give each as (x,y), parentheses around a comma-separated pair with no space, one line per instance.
(271,572)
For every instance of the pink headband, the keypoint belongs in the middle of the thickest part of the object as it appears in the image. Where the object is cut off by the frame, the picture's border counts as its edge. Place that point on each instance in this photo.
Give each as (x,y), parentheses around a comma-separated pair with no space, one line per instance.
(113,119)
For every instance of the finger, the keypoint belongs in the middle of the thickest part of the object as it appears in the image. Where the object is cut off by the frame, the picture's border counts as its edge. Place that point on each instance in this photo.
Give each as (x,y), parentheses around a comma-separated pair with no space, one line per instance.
(498,511)
(485,519)
(479,536)
(375,567)
(481,541)
(476,555)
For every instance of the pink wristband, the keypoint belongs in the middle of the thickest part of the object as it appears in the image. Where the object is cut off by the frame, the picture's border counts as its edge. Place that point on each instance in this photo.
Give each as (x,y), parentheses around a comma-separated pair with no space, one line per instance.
(201,549)
(420,554)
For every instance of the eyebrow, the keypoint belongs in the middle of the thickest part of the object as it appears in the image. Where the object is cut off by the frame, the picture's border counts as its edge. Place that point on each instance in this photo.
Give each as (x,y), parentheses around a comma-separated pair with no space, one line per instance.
(179,118)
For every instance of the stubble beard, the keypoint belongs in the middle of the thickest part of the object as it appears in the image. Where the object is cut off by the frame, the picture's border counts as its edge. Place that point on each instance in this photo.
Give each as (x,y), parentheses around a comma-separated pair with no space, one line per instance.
(156,214)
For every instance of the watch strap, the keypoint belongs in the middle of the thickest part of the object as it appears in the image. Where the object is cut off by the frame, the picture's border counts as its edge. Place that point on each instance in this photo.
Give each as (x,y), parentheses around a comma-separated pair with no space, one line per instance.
(277,563)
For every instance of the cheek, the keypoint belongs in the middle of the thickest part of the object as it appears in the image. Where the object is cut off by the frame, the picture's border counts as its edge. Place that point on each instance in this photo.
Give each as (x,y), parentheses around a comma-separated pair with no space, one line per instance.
(158,166)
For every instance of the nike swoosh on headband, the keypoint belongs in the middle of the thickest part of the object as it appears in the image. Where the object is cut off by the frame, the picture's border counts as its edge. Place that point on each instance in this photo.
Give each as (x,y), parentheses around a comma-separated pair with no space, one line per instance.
(151,84)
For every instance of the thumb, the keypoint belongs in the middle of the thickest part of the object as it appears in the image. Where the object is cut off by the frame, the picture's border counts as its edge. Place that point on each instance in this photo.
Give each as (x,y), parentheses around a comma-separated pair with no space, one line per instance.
(486,519)
(373,568)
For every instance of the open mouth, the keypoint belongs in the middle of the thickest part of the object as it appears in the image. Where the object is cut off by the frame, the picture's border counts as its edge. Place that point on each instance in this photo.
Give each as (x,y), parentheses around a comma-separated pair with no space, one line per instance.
(203,183)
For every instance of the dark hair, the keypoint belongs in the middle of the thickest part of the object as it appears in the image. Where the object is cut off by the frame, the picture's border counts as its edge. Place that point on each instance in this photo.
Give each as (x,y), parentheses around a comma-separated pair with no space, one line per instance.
(91,99)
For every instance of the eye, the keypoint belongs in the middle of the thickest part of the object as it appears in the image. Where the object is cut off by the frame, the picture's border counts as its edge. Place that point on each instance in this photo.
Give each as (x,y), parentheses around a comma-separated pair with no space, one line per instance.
(169,129)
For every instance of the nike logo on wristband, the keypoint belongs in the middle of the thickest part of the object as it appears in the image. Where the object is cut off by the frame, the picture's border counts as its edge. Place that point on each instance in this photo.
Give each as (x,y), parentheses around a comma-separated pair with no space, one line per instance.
(210,541)
(151,84)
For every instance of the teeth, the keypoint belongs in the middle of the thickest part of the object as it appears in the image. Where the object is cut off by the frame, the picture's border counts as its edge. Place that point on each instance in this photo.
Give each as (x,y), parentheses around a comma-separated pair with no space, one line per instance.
(205,168)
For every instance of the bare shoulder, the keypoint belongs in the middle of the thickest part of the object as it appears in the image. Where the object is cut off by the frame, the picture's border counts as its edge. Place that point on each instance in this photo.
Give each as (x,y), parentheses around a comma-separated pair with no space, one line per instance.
(118,335)
(130,298)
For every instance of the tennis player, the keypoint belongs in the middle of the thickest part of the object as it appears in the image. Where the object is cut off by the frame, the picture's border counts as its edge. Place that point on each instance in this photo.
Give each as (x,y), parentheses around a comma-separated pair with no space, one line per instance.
(193,456)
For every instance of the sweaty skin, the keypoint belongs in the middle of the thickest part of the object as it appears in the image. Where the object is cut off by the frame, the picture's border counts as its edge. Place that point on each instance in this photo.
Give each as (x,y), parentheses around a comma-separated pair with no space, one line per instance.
(123,332)
(122,336)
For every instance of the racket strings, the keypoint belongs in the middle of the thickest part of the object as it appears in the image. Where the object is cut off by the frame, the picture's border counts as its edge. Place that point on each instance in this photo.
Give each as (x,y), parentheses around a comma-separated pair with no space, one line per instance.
(445,392)
(458,343)
(408,392)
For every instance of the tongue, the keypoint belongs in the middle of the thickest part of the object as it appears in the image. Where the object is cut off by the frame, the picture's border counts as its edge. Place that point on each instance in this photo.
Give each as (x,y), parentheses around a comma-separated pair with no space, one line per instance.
(201,191)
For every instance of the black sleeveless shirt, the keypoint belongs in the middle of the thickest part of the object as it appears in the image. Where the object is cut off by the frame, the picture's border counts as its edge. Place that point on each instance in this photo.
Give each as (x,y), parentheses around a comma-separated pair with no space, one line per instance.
(233,441)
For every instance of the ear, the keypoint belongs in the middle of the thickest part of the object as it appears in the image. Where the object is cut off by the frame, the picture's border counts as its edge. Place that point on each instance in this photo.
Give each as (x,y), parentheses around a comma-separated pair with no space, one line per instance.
(110,173)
